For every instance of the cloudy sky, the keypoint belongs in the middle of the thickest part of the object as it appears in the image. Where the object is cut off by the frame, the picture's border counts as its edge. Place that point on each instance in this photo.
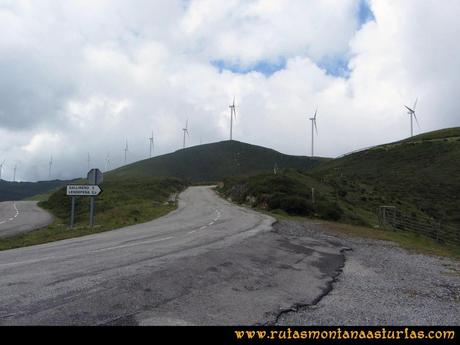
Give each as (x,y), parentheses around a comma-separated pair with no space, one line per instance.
(86,75)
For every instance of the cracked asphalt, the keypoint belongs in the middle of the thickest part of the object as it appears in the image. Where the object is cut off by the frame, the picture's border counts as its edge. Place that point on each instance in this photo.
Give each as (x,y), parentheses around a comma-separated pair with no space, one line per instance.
(381,284)
(207,263)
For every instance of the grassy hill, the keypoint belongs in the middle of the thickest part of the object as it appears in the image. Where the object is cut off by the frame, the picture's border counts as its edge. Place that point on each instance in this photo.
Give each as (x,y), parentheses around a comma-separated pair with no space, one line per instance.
(23,190)
(422,171)
(213,162)
(419,175)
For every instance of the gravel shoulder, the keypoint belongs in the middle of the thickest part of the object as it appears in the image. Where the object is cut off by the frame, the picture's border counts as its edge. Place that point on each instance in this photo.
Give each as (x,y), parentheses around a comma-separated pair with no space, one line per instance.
(380,284)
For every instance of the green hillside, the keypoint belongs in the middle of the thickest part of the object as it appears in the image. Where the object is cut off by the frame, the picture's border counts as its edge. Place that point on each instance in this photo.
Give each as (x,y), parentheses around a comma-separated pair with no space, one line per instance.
(422,171)
(23,190)
(419,175)
(213,162)
(122,203)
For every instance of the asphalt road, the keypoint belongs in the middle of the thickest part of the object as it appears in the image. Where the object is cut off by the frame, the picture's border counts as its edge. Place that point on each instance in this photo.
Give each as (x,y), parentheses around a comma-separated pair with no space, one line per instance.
(21,216)
(207,263)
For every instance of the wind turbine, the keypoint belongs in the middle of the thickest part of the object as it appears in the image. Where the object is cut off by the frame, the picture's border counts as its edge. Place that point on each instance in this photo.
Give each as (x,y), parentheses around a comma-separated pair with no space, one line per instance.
(89,161)
(50,166)
(411,113)
(126,150)
(107,162)
(1,168)
(185,131)
(313,126)
(151,144)
(14,172)
(232,114)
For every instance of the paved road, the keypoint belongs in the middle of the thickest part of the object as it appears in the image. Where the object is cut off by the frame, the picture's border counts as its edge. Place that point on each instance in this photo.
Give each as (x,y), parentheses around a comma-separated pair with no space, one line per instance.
(206,263)
(21,216)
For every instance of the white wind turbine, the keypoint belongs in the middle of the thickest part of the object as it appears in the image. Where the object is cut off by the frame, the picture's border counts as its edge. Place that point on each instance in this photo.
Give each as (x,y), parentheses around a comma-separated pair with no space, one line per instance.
(50,165)
(151,144)
(126,150)
(14,171)
(107,162)
(232,114)
(1,168)
(411,112)
(313,126)
(185,132)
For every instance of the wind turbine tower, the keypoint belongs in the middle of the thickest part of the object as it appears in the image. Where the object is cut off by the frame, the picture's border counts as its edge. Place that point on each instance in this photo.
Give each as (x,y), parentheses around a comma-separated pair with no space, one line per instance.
(50,166)
(185,131)
(411,112)
(151,145)
(107,162)
(1,169)
(89,161)
(14,172)
(313,127)
(232,114)
(126,150)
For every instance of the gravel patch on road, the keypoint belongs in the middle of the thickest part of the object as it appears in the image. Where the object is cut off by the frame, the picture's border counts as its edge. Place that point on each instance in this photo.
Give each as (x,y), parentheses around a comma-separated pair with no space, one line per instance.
(381,284)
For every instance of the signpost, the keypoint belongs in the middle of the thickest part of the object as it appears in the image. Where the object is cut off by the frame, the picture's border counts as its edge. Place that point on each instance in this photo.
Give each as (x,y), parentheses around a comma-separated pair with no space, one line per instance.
(91,189)
(94,178)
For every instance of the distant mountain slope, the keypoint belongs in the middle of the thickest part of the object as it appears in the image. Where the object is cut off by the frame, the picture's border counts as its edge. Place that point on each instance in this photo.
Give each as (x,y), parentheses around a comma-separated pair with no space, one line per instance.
(22,190)
(213,162)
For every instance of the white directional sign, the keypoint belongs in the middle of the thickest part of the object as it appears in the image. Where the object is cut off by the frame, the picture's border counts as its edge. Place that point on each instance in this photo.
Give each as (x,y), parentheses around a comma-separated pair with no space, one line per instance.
(88,190)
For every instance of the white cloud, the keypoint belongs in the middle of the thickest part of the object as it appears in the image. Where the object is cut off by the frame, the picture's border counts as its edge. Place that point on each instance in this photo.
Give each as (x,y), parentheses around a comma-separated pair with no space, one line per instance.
(82,76)
(249,31)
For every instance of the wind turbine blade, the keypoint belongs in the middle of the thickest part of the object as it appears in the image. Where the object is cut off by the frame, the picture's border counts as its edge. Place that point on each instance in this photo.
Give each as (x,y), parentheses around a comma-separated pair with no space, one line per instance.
(315,115)
(416,120)
(316,128)
(409,109)
(415,104)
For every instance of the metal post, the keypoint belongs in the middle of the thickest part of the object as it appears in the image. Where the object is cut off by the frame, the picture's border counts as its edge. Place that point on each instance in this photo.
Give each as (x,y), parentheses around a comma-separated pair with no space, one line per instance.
(91,212)
(72,213)
(384,218)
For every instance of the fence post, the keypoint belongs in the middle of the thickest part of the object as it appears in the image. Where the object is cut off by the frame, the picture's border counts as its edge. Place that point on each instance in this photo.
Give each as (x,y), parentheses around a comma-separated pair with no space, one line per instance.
(384,217)
(438,228)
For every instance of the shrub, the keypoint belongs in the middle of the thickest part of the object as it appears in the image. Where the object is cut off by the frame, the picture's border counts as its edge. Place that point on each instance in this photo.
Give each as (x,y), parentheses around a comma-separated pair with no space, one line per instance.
(342,193)
(294,205)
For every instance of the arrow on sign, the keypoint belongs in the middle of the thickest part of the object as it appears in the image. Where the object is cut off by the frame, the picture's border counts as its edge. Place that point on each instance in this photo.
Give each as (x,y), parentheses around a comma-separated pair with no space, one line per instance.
(79,190)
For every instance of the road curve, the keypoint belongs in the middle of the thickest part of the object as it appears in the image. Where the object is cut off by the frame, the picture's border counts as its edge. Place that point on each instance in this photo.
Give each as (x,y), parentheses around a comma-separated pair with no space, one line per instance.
(208,262)
(17,217)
